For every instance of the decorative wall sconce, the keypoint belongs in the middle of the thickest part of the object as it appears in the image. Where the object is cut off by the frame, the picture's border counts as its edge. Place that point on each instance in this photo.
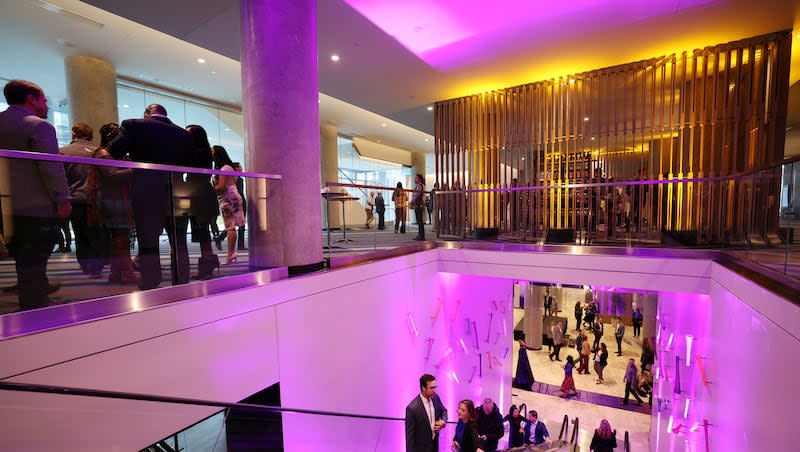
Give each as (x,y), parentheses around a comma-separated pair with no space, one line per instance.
(412,324)
(677,375)
(435,315)
(489,329)
(686,408)
(689,340)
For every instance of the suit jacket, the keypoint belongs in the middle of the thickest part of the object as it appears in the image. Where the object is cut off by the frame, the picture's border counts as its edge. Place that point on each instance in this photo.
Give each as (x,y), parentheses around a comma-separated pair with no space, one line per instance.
(539,434)
(77,173)
(153,140)
(39,185)
(419,436)
(558,336)
(619,330)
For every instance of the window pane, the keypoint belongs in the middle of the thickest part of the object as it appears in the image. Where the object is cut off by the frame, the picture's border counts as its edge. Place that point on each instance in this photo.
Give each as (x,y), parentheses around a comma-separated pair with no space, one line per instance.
(204,116)
(231,135)
(130,102)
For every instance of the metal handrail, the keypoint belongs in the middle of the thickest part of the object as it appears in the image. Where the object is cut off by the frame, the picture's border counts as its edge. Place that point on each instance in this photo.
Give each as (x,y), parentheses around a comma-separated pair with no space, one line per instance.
(564,427)
(27,155)
(574,439)
(64,390)
(627,445)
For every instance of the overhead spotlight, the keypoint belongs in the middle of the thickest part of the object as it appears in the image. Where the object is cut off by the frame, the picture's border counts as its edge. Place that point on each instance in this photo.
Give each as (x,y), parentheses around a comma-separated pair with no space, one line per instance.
(201,60)
(383,125)
(426,139)
(334,57)
(430,107)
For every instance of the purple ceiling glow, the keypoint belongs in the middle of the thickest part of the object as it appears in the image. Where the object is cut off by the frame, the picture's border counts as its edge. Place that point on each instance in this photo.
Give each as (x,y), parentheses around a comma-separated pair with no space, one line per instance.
(451,33)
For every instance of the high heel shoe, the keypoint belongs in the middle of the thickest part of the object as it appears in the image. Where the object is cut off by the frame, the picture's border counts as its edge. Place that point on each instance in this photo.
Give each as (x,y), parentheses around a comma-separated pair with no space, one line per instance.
(218,242)
(231,259)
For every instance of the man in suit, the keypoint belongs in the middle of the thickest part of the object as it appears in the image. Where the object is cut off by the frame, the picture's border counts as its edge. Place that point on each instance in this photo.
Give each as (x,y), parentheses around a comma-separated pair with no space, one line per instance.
(619,333)
(535,431)
(155,139)
(40,200)
(548,303)
(631,383)
(558,338)
(425,417)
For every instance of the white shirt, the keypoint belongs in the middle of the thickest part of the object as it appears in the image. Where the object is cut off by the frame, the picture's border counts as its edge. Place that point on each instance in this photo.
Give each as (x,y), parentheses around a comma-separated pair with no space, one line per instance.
(428,404)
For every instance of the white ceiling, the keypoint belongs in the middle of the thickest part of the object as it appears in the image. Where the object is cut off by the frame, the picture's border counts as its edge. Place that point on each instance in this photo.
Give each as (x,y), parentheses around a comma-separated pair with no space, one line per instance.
(376,72)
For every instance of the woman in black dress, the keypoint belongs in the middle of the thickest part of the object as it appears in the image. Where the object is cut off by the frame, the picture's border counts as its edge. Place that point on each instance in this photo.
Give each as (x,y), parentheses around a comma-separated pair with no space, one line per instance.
(524,377)
(515,432)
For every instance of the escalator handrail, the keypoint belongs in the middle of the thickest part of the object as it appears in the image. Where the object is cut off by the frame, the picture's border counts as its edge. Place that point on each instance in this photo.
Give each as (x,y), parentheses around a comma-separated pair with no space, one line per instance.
(574,438)
(564,426)
(64,390)
(627,445)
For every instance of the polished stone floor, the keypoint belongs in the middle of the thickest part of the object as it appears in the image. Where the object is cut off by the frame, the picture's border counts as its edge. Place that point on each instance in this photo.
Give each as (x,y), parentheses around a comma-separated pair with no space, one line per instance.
(594,402)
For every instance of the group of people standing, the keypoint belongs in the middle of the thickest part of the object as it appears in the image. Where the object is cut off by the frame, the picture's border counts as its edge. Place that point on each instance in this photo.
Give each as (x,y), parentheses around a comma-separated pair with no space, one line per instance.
(418,203)
(105,204)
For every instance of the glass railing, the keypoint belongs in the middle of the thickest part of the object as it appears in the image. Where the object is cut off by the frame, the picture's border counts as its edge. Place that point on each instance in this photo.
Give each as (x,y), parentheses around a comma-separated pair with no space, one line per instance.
(128,227)
(753,215)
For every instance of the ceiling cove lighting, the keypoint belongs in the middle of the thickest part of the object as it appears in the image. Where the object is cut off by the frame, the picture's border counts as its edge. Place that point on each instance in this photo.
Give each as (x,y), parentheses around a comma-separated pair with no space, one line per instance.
(55,9)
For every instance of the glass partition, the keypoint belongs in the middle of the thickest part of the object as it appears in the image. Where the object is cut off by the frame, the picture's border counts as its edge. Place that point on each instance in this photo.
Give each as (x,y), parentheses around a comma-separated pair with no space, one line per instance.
(129,227)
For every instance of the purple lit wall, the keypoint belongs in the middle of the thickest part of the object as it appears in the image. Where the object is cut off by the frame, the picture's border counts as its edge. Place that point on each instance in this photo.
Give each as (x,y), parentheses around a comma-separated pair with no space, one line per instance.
(680,398)
(364,344)
(451,33)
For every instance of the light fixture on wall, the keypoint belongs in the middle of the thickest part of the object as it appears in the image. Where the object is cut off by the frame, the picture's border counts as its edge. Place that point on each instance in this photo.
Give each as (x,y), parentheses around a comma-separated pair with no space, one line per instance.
(689,340)
(686,408)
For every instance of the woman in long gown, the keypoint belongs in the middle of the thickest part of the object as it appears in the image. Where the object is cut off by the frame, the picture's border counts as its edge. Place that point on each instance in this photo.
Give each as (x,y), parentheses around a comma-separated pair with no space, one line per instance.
(524,377)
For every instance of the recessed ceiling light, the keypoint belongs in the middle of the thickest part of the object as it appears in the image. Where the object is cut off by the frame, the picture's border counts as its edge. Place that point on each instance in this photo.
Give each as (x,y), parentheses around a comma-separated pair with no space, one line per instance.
(586,118)
(214,72)
(523,159)
(201,60)
(125,106)
(430,107)
(426,139)
(592,138)
(334,57)
(383,125)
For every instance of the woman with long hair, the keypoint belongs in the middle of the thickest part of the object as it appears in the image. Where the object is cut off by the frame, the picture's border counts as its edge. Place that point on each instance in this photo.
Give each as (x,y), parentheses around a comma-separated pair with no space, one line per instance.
(600,361)
(399,198)
(230,203)
(466,439)
(524,376)
(203,208)
(515,431)
(109,189)
(568,385)
(604,439)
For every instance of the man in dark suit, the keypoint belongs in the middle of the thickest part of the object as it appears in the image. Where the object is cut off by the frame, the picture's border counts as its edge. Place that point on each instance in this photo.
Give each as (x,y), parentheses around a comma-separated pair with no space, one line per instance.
(425,417)
(40,197)
(619,333)
(535,432)
(155,139)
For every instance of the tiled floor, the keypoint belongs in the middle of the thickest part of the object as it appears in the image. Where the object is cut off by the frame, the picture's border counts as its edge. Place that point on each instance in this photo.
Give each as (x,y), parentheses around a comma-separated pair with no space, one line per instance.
(594,402)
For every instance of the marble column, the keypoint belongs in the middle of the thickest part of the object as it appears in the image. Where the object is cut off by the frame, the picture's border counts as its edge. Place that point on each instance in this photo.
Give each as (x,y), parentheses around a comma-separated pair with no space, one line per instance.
(534,314)
(329,157)
(282,134)
(648,304)
(92,91)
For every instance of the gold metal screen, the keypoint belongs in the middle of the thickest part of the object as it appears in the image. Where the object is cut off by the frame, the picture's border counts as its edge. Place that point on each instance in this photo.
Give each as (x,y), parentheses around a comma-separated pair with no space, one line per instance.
(712,112)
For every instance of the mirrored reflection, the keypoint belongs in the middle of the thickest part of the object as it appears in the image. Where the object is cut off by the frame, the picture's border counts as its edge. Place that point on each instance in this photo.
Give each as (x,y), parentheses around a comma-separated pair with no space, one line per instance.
(127,228)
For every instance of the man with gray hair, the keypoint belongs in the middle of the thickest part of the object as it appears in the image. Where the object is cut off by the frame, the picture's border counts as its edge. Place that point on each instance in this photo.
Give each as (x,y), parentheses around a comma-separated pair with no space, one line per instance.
(41,200)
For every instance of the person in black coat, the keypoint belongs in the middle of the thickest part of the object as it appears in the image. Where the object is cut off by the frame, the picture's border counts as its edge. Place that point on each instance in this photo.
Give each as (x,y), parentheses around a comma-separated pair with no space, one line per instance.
(490,425)
(604,439)
(155,139)
(466,439)
(515,432)
(380,209)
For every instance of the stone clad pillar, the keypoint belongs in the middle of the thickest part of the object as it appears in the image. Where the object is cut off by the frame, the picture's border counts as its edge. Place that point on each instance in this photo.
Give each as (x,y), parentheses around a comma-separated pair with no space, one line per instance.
(648,304)
(282,134)
(92,91)
(534,313)
(329,156)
